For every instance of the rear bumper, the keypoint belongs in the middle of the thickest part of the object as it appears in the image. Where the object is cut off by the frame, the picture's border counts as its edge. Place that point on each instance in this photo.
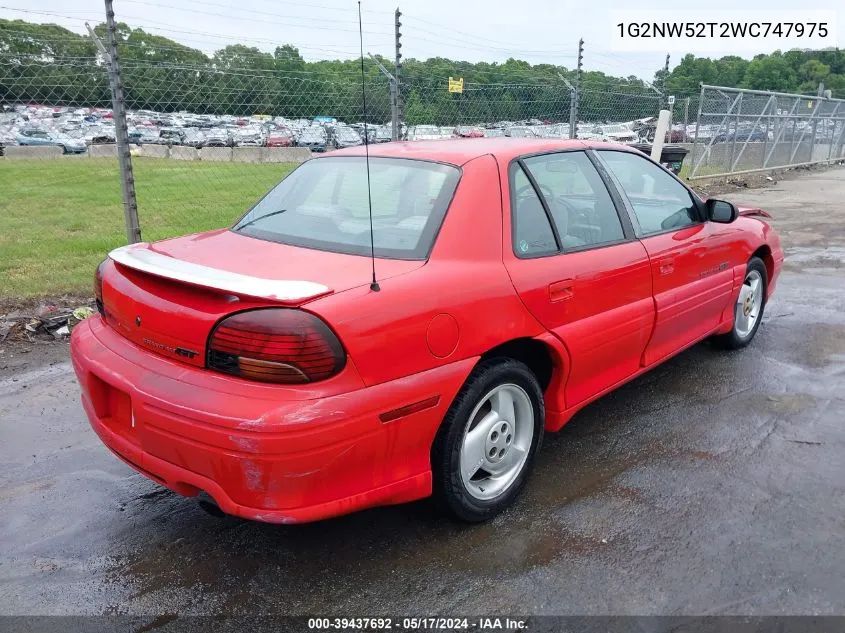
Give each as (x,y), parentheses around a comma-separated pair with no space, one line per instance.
(258,455)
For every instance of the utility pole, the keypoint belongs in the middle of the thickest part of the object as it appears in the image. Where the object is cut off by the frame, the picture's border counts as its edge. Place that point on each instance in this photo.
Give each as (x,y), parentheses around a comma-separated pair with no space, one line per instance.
(121,133)
(391,81)
(579,75)
(398,114)
(665,77)
(573,108)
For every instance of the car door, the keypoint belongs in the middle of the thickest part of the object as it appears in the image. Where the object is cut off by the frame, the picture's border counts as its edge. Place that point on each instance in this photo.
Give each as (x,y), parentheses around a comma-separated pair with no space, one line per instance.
(577,266)
(691,259)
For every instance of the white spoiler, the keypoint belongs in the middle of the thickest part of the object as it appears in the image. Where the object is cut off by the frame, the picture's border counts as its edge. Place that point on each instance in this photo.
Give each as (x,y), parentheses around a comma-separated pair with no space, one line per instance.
(140,257)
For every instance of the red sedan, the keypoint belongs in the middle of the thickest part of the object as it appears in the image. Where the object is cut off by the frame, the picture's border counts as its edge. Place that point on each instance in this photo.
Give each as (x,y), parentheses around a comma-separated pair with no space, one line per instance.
(517,281)
(280,138)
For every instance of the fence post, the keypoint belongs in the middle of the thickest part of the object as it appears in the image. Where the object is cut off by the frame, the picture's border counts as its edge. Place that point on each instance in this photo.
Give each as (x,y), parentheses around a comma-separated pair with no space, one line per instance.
(833,137)
(686,119)
(573,108)
(121,133)
(736,132)
(768,118)
(697,164)
(396,105)
(573,111)
(393,85)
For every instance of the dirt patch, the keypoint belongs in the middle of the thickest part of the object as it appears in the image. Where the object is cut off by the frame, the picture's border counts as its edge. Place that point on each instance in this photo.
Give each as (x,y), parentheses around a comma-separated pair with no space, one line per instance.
(18,357)
(35,332)
(732,184)
(31,304)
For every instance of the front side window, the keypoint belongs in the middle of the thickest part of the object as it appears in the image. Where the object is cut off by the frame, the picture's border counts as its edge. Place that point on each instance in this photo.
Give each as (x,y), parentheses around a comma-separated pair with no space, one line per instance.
(324,205)
(581,207)
(659,201)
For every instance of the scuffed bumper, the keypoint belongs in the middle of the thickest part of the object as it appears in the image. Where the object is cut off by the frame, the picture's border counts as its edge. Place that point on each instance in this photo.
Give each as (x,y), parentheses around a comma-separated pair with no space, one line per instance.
(267,453)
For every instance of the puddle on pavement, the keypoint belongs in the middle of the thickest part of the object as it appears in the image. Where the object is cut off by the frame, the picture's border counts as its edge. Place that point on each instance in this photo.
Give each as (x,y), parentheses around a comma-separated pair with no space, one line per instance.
(784,404)
(812,345)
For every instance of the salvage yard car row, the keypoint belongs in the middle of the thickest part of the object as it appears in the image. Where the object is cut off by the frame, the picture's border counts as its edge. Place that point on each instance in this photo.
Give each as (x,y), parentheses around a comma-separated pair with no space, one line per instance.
(74,129)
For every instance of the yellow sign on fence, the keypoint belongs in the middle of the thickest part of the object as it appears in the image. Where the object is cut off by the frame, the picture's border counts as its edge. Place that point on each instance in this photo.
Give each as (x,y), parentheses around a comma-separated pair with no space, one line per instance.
(456,85)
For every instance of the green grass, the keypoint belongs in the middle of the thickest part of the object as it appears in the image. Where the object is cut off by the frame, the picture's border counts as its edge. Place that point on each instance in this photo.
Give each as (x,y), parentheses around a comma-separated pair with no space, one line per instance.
(59,218)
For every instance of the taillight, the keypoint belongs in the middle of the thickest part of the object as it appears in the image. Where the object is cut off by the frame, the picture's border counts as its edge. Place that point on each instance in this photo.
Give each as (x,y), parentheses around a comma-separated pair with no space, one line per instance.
(98,286)
(279,345)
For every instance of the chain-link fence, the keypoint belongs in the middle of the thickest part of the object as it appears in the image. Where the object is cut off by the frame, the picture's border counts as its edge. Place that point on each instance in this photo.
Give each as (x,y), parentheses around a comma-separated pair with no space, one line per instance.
(743,131)
(207,134)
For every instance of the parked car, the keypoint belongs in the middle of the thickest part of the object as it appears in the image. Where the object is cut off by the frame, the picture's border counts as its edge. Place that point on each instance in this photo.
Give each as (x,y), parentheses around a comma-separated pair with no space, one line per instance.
(591,133)
(250,135)
(375,133)
(521,131)
(380,134)
(98,135)
(742,134)
(171,136)
(344,136)
(194,137)
(618,133)
(268,368)
(314,138)
(424,133)
(280,137)
(468,131)
(144,136)
(37,137)
(493,132)
(217,137)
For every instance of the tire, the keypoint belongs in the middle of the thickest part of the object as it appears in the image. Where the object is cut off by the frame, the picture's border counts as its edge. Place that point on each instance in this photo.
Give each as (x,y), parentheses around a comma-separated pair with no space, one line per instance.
(749,307)
(487,493)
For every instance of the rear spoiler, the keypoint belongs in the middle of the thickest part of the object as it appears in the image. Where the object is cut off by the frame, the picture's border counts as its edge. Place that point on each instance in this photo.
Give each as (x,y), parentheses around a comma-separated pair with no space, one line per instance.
(140,257)
(753,212)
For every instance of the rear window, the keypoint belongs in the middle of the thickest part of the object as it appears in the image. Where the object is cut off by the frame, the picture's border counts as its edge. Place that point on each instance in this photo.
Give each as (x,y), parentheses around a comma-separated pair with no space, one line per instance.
(324,205)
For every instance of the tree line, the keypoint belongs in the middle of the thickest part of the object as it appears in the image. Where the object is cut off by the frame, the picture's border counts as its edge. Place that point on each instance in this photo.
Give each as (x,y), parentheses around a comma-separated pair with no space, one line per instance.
(798,71)
(46,63)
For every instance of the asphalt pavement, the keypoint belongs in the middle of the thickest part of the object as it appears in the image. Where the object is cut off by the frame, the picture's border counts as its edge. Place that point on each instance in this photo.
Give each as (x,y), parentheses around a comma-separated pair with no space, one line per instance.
(713,485)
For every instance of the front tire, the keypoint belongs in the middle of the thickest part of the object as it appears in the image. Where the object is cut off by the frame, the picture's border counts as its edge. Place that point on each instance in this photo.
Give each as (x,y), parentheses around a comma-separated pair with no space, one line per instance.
(748,312)
(485,448)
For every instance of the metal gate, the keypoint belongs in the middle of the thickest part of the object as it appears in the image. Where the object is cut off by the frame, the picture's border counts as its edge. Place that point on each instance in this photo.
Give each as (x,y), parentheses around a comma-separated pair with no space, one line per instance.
(744,131)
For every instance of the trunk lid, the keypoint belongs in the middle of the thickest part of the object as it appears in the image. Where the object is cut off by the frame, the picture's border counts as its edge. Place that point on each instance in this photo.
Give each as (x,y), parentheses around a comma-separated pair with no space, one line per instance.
(168,296)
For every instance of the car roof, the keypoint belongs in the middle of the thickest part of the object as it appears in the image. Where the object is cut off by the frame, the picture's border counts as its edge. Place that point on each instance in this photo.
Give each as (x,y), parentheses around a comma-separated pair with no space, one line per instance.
(462,150)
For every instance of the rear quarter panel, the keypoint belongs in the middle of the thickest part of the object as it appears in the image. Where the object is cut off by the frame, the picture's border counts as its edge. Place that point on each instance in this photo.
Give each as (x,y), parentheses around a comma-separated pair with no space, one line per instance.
(457,306)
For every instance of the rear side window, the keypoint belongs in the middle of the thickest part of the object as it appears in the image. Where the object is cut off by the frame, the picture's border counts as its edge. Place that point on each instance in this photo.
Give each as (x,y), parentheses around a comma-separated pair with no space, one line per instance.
(324,205)
(581,207)
(532,232)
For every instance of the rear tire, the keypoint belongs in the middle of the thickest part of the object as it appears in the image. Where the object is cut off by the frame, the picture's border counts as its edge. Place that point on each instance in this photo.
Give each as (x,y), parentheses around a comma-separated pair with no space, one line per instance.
(485,447)
(748,311)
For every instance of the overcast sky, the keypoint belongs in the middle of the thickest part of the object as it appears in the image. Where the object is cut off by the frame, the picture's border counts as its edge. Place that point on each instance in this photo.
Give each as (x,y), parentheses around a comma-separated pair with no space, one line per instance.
(534,30)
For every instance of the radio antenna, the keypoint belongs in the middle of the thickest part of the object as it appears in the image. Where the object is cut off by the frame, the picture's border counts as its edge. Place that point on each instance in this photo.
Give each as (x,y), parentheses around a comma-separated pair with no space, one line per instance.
(374,284)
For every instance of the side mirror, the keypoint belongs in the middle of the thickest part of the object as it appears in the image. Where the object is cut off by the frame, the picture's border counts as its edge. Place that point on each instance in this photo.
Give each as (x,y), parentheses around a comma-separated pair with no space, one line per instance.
(721,211)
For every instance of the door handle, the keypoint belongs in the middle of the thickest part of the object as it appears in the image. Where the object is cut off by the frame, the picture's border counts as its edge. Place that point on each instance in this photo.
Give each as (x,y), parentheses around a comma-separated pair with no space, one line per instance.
(561,290)
(666,265)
